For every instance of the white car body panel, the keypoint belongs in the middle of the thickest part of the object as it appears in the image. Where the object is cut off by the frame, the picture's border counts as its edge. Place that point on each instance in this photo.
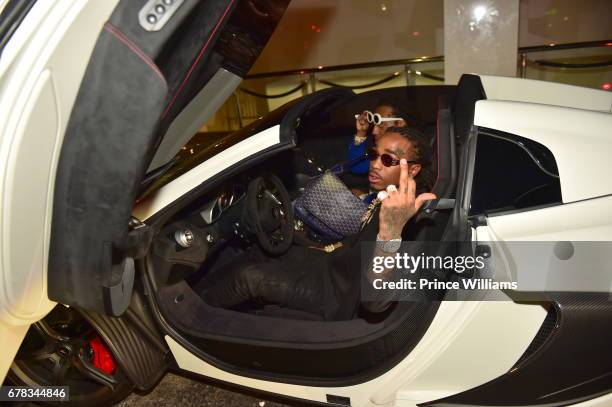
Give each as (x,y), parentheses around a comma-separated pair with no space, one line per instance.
(547,93)
(603,401)
(579,221)
(498,332)
(11,337)
(26,205)
(209,168)
(40,74)
(584,165)
(589,221)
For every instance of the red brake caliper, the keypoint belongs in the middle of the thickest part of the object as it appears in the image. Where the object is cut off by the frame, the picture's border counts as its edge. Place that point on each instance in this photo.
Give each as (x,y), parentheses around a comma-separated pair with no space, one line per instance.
(102,358)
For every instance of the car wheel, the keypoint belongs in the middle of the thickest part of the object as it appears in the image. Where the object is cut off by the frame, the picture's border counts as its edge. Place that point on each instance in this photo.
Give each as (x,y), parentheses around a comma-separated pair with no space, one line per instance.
(63,349)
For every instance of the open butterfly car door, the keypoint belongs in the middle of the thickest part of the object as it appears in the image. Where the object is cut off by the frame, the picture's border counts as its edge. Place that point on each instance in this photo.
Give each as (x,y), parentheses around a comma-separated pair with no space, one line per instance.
(95,94)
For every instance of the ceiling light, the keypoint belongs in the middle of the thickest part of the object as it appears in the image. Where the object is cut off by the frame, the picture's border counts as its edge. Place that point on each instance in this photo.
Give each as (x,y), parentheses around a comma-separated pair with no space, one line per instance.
(479,12)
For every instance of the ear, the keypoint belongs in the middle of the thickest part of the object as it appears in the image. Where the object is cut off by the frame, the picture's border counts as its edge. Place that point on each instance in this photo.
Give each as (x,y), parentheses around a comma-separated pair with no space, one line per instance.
(415,169)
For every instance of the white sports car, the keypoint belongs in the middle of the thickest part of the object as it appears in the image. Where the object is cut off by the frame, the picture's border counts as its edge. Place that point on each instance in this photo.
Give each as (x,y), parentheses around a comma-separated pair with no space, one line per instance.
(106,237)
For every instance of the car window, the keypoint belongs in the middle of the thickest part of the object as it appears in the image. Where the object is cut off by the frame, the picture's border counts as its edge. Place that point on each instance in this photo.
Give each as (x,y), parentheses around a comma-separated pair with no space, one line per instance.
(11,16)
(512,173)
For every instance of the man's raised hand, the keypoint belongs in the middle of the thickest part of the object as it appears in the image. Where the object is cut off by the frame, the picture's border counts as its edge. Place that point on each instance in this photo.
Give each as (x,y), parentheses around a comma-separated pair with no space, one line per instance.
(400,205)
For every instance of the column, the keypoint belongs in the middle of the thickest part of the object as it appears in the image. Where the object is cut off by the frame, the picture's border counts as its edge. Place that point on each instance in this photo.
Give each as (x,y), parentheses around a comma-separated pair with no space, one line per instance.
(480,36)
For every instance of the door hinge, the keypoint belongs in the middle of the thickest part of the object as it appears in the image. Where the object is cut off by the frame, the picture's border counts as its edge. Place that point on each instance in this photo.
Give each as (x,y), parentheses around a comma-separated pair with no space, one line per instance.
(118,292)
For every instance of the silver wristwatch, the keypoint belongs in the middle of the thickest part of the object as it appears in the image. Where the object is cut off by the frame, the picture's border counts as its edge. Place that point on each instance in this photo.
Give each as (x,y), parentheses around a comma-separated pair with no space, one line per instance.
(388,246)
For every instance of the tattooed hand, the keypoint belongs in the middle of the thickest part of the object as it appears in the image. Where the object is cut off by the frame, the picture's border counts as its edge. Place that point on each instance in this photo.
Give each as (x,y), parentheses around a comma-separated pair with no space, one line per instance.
(400,206)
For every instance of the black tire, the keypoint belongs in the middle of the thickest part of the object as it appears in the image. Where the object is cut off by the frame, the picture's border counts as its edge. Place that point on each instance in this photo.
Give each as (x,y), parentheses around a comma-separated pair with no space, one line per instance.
(56,352)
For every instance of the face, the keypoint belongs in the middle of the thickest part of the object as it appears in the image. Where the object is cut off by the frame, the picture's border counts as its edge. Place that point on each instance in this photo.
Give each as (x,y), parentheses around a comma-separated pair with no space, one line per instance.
(397,147)
(385,111)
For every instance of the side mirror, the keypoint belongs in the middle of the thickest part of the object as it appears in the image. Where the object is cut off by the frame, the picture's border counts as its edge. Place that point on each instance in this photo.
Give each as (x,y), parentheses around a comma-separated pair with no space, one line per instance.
(442,204)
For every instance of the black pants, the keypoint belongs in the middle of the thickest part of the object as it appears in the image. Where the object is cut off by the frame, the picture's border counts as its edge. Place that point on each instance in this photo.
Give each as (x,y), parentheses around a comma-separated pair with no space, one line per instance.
(298,280)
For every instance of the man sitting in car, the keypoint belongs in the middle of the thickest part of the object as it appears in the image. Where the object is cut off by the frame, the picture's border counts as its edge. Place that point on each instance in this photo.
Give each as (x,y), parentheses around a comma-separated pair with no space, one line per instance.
(369,126)
(328,284)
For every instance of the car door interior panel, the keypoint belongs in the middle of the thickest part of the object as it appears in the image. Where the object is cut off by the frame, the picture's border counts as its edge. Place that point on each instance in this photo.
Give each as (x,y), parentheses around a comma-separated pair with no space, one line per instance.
(154,74)
(103,146)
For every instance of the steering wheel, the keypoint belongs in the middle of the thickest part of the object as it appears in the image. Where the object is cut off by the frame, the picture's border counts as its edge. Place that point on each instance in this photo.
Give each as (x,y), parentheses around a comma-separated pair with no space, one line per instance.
(270,213)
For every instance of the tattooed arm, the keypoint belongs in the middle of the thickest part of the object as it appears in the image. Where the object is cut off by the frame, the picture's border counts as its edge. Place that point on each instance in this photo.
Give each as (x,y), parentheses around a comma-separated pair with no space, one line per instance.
(395,211)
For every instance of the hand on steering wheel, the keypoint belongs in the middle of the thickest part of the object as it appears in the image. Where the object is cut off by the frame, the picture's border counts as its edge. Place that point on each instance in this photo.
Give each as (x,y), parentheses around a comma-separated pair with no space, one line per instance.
(270,214)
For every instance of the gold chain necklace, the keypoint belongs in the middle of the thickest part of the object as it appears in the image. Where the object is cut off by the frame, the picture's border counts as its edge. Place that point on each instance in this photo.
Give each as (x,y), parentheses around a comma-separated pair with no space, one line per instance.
(367,215)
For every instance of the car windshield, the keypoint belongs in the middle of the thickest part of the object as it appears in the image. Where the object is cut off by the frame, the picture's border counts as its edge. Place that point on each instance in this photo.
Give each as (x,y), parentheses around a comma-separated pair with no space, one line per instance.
(204,146)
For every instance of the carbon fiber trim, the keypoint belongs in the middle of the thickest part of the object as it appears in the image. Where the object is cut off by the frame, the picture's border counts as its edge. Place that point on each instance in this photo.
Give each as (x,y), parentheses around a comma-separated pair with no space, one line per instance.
(572,364)
(543,334)
(135,344)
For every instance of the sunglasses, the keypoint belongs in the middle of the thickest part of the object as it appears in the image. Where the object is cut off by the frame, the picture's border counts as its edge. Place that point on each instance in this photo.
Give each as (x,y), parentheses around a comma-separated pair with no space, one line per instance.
(386,159)
(377,119)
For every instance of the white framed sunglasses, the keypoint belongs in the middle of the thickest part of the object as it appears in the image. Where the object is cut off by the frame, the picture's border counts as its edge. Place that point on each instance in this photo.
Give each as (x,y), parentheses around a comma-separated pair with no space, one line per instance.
(377,119)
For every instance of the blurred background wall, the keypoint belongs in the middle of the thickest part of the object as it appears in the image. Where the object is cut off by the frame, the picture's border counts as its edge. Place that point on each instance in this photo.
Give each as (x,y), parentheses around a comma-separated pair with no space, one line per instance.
(388,43)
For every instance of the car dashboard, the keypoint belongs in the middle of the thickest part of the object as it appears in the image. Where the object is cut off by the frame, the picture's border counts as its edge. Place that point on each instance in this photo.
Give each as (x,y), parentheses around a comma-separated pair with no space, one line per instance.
(228,196)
